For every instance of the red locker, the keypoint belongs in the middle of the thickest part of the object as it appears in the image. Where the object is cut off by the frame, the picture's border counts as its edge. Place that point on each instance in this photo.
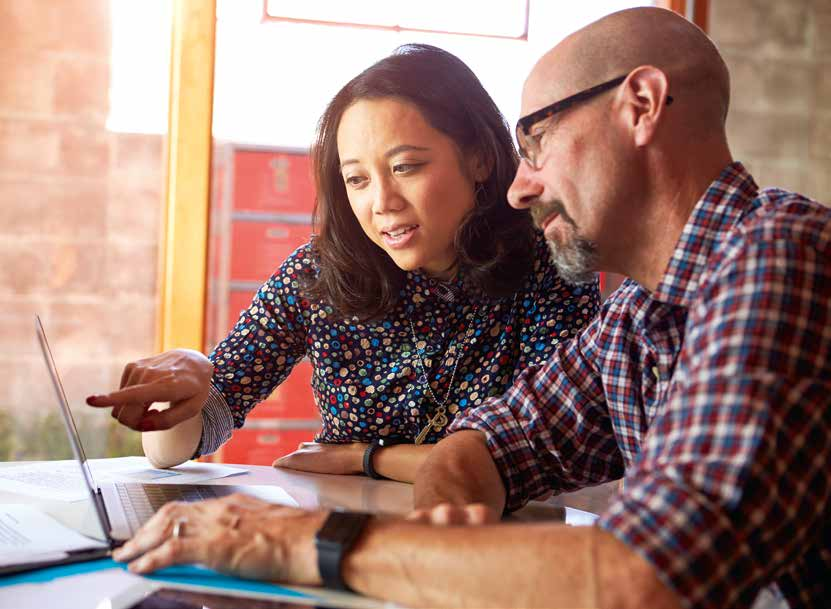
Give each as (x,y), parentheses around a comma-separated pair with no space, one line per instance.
(262,204)
(263,446)
(238,301)
(259,248)
(272,181)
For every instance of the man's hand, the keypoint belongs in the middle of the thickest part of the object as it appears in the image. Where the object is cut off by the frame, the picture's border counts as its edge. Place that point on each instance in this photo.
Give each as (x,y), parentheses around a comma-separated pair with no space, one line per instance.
(447,514)
(181,377)
(326,458)
(238,535)
(460,472)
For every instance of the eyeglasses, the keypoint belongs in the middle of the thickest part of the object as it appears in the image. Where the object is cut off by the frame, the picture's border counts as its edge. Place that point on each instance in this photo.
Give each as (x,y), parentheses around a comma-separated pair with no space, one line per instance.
(529,145)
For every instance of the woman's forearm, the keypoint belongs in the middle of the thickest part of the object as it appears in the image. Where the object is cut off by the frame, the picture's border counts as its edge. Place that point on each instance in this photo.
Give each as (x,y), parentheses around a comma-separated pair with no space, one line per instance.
(400,462)
(175,445)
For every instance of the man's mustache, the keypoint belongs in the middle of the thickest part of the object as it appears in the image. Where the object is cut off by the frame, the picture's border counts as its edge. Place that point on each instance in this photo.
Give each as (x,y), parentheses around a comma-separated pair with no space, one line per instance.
(543,209)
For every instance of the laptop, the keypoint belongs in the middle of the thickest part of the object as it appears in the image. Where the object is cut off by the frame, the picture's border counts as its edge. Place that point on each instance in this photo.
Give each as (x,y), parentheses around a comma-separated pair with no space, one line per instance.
(118,509)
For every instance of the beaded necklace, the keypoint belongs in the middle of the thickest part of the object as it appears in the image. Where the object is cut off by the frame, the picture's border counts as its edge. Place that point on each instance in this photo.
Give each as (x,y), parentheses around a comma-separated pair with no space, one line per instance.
(439,418)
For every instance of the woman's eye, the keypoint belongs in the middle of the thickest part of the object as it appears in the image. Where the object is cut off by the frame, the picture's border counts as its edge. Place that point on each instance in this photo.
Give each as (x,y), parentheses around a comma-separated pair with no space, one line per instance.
(405,167)
(354,181)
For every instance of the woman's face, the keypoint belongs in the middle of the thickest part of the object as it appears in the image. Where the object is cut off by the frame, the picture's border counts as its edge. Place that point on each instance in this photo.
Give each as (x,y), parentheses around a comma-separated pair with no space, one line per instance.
(407,183)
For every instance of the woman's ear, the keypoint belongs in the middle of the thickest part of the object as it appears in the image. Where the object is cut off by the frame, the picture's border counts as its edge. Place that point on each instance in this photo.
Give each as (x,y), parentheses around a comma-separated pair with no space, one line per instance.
(479,166)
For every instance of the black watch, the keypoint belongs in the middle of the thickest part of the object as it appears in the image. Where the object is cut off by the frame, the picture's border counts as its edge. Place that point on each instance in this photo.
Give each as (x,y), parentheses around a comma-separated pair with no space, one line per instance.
(370,451)
(335,538)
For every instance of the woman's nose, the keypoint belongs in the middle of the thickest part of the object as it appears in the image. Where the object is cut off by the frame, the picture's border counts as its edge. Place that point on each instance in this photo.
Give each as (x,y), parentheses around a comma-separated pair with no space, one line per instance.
(386,197)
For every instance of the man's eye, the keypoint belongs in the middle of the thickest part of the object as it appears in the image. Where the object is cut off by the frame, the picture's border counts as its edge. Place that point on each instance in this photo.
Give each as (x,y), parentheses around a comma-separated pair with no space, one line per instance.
(538,131)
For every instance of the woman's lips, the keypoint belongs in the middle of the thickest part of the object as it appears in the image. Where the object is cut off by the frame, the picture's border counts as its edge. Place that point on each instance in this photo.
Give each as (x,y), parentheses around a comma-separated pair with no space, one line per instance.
(399,237)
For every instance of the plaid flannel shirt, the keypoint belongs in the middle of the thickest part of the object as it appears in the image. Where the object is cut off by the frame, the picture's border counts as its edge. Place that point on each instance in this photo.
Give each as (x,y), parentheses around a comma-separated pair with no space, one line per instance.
(712,395)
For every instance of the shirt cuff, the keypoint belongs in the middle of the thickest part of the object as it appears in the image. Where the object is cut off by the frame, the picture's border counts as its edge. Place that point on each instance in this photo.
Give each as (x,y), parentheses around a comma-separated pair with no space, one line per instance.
(217,423)
(687,538)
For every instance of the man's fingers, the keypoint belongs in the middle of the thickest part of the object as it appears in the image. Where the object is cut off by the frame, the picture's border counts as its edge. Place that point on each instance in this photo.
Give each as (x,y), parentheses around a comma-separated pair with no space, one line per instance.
(446,514)
(479,513)
(422,516)
(172,551)
(155,531)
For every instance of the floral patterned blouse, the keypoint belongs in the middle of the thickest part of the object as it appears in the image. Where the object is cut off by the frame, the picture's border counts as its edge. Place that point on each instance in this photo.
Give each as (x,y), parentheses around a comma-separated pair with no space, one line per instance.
(438,347)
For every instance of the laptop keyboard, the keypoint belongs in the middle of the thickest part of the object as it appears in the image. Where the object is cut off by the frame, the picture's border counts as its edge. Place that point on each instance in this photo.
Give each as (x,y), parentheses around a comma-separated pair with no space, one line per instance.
(141,501)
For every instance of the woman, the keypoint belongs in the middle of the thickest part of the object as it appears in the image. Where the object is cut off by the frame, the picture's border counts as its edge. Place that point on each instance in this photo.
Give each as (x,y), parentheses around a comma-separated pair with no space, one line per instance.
(423,293)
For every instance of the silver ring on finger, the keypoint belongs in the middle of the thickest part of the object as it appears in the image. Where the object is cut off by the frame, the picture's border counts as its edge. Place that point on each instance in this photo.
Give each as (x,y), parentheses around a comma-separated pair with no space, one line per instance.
(179,527)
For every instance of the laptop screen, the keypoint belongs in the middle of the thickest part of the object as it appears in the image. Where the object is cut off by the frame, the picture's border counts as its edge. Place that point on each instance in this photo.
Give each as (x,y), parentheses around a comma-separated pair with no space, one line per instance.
(69,424)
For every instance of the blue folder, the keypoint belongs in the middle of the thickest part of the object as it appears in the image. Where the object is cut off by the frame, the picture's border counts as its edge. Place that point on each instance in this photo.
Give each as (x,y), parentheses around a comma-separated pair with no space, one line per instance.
(192,575)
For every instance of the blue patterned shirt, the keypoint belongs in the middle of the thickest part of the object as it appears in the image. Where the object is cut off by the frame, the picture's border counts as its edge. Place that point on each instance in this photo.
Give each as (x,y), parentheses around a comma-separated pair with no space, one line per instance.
(711,394)
(439,345)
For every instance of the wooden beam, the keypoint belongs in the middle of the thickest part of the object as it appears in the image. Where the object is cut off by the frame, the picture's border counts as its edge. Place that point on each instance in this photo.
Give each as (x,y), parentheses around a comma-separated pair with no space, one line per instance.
(183,259)
(699,10)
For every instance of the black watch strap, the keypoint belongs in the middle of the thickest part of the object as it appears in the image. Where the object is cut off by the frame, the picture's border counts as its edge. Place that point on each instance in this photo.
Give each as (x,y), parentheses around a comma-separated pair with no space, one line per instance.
(369,453)
(335,538)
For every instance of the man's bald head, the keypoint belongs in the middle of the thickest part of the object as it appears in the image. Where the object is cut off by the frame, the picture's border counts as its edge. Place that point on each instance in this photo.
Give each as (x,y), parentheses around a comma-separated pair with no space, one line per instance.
(620,42)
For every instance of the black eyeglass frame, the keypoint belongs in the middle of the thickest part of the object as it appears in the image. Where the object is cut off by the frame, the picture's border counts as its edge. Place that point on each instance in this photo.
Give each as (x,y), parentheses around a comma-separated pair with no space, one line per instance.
(528,121)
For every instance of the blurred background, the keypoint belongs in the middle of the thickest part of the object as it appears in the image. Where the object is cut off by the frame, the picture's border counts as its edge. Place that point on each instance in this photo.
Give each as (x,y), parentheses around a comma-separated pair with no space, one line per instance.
(84,99)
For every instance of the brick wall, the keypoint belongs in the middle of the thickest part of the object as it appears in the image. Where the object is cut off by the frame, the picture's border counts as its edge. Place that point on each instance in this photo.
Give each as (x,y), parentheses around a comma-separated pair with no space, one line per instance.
(79,222)
(779,54)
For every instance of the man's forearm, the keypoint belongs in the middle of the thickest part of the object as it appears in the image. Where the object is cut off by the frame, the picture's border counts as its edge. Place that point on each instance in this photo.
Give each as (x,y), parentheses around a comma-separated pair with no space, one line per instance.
(460,471)
(503,565)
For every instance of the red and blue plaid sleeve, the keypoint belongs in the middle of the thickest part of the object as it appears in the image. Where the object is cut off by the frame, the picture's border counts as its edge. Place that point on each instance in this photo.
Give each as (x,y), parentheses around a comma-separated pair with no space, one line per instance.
(731,488)
(551,430)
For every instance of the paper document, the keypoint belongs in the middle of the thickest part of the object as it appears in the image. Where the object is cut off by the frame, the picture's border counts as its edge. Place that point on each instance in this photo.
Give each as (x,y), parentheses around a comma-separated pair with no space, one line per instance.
(187,473)
(579,518)
(62,480)
(27,534)
(47,479)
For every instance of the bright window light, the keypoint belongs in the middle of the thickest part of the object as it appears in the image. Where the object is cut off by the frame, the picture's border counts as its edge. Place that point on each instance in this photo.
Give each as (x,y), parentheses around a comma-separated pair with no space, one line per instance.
(139,72)
(274,78)
(505,18)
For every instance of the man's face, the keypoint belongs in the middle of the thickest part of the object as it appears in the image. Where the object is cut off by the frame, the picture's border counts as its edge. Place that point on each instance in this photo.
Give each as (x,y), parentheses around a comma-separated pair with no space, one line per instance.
(569,192)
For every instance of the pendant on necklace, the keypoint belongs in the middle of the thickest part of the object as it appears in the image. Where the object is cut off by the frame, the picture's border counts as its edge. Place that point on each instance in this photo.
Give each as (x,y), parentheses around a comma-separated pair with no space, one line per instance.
(436,423)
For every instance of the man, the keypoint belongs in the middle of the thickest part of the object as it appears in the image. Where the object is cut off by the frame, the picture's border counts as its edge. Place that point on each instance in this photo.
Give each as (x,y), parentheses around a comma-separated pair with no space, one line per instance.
(704,382)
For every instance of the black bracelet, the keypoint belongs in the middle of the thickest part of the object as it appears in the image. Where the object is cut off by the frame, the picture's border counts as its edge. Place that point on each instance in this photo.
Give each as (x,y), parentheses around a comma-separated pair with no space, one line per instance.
(335,538)
(369,470)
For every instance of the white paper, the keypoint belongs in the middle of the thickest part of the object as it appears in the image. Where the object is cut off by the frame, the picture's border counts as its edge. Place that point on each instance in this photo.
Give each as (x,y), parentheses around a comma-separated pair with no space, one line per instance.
(62,480)
(47,479)
(579,518)
(186,473)
(27,534)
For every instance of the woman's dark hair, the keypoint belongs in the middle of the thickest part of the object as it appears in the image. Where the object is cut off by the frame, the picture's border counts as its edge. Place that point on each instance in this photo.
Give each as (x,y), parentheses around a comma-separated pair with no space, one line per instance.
(494,241)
